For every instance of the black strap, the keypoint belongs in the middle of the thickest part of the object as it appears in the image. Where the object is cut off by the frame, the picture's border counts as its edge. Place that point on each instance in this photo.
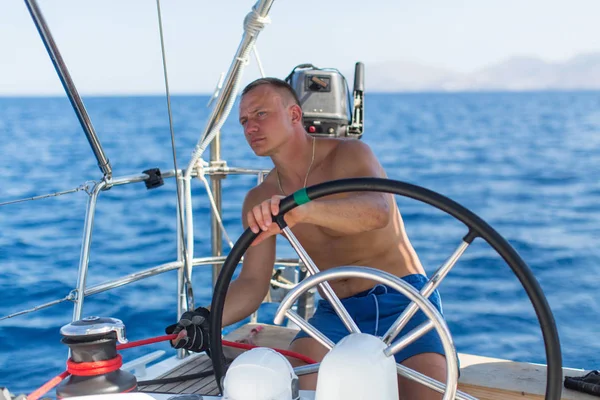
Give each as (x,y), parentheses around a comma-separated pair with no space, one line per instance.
(589,383)
(301,66)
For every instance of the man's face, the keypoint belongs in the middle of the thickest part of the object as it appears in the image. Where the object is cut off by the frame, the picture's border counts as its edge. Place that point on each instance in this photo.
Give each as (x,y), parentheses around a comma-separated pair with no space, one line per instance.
(265,118)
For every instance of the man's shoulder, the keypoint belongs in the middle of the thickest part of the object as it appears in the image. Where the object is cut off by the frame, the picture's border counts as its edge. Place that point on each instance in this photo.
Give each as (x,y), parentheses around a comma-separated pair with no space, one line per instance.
(348,149)
(350,158)
(344,146)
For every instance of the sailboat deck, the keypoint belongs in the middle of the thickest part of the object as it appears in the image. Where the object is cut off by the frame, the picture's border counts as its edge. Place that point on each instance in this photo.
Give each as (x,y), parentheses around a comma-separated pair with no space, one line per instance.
(204,386)
(272,336)
(482,377)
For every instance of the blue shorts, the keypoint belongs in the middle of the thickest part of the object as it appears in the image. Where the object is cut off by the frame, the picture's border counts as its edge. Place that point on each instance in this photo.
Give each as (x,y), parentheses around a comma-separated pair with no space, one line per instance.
(374,311)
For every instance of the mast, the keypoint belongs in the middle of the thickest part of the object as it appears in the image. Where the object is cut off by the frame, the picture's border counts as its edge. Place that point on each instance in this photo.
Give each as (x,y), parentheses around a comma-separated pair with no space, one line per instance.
(69,86)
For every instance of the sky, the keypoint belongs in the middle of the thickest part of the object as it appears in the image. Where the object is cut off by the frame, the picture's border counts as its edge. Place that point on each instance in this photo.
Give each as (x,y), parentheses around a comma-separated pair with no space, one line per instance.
(113,46)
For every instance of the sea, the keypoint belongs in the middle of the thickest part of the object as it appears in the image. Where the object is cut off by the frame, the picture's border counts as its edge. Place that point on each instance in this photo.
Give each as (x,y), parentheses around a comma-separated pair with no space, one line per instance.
(526,163)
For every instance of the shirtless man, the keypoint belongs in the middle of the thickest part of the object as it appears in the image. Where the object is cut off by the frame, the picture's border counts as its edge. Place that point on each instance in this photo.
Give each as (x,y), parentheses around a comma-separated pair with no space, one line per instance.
(363,229)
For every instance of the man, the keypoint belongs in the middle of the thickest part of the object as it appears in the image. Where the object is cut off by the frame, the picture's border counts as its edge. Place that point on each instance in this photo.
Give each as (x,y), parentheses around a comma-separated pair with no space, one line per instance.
(363,229)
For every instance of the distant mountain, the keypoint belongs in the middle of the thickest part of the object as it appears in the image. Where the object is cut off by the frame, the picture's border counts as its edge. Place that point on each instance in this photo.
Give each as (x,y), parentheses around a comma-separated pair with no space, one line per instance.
(405,76)
(515,74)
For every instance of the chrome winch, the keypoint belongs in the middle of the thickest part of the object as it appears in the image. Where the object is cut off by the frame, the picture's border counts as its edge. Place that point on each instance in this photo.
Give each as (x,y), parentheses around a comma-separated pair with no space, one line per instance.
(94,363)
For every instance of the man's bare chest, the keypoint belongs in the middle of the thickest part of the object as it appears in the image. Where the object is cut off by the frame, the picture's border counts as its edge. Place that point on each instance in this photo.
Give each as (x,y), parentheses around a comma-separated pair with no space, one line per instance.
(328,249)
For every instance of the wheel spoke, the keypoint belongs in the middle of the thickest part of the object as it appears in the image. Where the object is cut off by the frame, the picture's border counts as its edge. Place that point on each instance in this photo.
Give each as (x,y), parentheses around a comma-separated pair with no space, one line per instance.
(429,382)
(409,338)
(307,369)
(477,228)
(328,292)
(395,283)
(429,287)
(309,329)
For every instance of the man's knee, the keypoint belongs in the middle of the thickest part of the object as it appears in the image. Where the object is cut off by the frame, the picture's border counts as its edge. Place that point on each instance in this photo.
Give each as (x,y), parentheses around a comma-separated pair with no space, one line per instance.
(308,347)
(312,349)
(431,364)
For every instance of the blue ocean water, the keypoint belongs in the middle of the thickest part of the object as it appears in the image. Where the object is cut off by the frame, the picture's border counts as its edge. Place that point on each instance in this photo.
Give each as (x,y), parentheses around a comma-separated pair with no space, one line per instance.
(527,163)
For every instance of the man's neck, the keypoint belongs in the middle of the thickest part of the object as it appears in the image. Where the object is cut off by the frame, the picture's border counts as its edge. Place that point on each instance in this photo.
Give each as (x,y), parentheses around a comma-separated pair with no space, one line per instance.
(293,160)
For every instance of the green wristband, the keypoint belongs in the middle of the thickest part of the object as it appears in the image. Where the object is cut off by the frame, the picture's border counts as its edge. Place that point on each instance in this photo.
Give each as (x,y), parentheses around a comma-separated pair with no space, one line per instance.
(301,197)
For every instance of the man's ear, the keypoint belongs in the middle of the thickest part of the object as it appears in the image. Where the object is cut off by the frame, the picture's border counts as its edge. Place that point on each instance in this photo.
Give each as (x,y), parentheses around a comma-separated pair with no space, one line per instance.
(296,113)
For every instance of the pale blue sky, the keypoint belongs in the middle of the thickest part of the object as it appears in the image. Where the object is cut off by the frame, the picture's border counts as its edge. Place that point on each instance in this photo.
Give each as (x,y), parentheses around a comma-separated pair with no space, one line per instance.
(112,46)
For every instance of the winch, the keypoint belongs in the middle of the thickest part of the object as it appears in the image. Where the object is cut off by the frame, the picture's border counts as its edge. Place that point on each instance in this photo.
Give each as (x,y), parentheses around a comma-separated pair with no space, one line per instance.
(94,363)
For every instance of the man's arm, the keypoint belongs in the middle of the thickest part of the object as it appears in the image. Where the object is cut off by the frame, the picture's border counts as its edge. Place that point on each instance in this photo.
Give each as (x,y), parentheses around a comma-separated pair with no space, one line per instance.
(244,296)
(360,212)
(247,292)
(347,213)
(351,212)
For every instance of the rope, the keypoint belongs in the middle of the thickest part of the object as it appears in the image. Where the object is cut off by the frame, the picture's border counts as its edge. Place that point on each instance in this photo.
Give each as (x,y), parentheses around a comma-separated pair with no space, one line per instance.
(143,342)
(288,353)
(104,367)
(93,368)
(254,23)
(202,176)
(48,386)
(85,187)
(246,346)
(260,67)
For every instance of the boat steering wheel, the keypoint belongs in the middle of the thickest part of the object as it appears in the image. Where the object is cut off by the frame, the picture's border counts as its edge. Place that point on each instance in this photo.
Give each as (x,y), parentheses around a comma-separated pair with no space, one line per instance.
(435,321)
(476,228)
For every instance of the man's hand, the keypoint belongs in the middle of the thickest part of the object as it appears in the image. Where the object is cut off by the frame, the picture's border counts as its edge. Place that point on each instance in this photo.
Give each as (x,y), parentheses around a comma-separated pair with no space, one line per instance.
(260,218)
(192,330)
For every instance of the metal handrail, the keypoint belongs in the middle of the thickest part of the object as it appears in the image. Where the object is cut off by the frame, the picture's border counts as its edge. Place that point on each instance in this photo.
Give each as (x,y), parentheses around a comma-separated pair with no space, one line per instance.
(220,170)
(89,223)
(140,275)
(217,169)
(137,276)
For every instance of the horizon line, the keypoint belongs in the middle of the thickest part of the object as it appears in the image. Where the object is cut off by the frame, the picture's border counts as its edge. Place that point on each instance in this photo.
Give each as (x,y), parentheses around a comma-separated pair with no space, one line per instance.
(376,92)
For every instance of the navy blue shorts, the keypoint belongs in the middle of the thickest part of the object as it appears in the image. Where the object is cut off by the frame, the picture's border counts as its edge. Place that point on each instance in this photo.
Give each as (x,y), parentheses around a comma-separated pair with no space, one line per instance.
(374,311)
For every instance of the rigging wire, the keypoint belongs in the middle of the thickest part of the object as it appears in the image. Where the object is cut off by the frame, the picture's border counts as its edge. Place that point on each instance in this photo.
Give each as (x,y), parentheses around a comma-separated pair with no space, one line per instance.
(258,62)
(216,211)
(85,187)
(174,150)
(253,25)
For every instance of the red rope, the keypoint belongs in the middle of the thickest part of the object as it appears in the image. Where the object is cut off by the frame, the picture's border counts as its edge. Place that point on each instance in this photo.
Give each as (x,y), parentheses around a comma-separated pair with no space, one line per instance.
(48,386)
(146,341)
(247,346)
(93,368)
(299,356)
(104,367)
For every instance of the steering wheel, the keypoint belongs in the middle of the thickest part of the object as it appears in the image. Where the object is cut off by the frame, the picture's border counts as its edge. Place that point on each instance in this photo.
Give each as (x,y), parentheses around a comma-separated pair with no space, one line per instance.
(476,228)
(435,320)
